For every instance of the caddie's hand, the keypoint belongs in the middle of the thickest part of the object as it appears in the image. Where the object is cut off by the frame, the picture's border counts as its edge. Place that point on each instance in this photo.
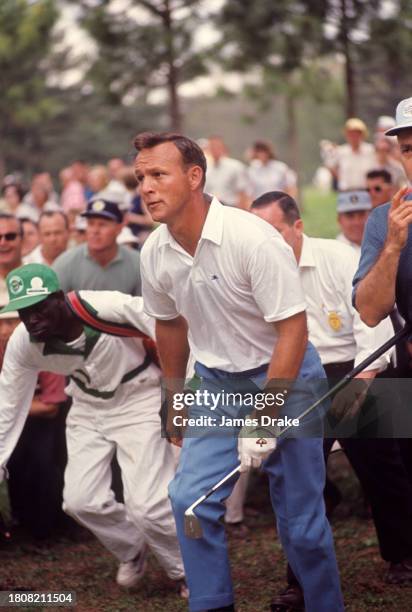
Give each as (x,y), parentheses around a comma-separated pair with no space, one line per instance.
(254,446)
(399,219)
(347,403)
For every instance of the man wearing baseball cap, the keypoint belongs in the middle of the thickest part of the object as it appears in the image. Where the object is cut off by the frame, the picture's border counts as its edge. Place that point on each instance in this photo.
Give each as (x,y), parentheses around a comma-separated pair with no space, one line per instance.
(100,263)
(353,208)
(114,384)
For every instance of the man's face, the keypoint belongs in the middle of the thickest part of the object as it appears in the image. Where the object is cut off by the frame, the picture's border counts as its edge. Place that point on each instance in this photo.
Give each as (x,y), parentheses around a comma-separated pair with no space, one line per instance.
(405,146)
(379,191)
(354,137)
(274,215)
(30,237)
(216,148)
(383,150)
(54,236)
(45,319)
(101,233)
(353,224)
(165,183)
(10,242)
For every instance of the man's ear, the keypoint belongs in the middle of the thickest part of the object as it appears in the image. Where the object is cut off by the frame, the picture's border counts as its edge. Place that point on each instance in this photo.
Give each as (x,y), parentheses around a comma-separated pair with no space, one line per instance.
(195,176)
(299,225)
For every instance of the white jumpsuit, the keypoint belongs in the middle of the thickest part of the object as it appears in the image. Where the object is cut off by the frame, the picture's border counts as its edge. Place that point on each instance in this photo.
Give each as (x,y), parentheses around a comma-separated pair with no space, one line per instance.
(107,416)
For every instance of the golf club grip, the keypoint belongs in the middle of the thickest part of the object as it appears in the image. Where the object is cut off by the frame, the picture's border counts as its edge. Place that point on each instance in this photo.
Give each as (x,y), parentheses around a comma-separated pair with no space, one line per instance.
(406,331)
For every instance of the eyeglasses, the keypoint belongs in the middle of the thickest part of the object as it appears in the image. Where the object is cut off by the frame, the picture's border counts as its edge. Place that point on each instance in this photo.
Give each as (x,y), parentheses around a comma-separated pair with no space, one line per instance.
(9,236)
(377,188)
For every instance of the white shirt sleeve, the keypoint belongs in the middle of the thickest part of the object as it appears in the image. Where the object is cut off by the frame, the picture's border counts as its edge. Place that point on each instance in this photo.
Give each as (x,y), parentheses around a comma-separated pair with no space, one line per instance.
(367,339)
(157,303)
(275,280)
(17,385)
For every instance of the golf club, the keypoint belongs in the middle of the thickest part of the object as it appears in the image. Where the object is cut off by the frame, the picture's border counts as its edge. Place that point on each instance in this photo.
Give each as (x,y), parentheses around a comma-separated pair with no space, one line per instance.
(193,528)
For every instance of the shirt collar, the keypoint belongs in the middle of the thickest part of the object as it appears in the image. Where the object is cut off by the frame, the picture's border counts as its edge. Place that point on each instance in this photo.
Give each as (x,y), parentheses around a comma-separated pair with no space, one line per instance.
(307,259)
(212,228)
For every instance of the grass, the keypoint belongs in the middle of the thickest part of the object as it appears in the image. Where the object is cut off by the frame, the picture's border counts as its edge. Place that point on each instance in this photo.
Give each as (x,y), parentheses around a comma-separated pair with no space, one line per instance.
(319,213)
(258,564)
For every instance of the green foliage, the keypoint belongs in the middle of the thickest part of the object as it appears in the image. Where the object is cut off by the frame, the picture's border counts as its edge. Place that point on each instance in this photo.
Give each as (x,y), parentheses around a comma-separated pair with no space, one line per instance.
(25,103)
(148,45)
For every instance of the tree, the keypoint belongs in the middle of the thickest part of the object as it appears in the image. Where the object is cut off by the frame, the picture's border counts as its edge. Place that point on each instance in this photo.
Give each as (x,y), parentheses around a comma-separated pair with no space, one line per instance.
(26,39)
(385,75)
(146,46)
(281,39)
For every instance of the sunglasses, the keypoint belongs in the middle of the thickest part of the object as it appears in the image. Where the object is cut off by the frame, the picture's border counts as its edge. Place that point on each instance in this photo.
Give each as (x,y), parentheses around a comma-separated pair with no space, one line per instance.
(9,236)
(378,189)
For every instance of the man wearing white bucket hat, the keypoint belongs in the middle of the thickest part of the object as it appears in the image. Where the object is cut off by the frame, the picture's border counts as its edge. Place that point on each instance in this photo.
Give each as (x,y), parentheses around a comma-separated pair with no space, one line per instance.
(384,275)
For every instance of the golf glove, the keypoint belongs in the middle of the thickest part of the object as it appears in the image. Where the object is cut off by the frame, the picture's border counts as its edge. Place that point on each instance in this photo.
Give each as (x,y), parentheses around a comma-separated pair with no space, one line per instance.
(255,444)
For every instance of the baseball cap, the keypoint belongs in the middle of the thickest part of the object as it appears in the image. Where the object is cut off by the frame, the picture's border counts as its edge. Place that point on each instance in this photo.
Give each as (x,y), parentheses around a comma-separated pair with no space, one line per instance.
(403,117)
(356,124)
(29,285)
(103,208)
(351,201)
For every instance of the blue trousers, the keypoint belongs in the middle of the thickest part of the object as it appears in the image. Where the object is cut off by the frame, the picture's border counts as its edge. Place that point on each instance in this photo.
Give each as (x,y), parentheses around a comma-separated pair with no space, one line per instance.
(296,472)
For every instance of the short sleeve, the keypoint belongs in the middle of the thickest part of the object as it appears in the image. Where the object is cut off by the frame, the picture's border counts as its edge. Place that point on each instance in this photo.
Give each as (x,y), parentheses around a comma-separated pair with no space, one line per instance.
(275,280)
(372,244)
(157,303)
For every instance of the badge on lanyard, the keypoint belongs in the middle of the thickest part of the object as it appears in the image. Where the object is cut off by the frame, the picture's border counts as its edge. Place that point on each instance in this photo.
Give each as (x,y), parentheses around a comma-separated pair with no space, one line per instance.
(335,321)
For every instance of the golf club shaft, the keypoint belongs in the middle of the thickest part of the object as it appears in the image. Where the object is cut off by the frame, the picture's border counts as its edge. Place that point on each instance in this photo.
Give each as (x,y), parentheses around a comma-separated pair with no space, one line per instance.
(214,488)
(406,331)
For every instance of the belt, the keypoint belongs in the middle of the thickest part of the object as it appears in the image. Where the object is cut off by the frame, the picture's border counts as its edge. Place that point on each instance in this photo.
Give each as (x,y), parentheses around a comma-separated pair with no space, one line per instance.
(338,370)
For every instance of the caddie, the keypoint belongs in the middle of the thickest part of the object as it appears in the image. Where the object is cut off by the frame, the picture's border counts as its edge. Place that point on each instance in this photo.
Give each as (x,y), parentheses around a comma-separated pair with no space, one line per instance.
(114,384)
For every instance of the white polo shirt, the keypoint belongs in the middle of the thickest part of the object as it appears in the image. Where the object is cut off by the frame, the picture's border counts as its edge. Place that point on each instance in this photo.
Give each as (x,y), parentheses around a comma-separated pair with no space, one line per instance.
(354,165)
(227,179)
(272,176)
(356,247)
(242,278)
(327,268)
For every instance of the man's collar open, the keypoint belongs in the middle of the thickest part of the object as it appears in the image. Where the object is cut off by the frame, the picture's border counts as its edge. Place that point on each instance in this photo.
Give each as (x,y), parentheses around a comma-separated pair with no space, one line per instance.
(307,259)
(212,228)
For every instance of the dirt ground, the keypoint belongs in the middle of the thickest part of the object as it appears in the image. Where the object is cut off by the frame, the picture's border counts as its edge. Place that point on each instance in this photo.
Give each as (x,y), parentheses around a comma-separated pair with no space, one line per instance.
(258,565)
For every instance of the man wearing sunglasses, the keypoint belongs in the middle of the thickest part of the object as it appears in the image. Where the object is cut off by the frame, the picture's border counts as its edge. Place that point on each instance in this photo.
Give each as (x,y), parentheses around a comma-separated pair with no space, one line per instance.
(380,186)
(11,236)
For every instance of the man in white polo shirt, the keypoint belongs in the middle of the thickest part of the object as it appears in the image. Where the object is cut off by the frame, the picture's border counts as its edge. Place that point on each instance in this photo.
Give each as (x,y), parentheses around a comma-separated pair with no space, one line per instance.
(326,269)
(224,283)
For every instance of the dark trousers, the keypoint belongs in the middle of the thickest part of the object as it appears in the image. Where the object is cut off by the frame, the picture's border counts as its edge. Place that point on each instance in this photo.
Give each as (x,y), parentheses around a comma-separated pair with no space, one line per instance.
(379,466)
(35,481)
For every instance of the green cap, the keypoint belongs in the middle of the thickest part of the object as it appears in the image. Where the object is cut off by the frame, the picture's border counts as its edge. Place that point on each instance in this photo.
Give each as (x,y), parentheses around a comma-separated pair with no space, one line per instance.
(29,285)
